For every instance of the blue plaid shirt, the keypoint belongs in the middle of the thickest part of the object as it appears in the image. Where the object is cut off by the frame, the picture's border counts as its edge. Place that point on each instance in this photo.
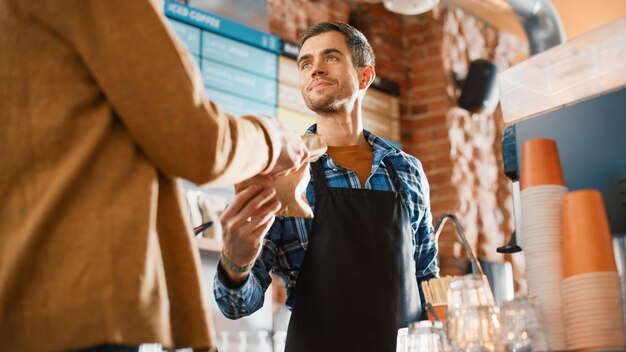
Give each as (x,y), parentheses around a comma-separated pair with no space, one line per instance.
(287,239)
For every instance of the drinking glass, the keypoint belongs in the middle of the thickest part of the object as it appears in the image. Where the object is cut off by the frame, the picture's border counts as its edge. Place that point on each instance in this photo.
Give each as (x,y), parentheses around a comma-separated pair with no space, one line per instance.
(523,328)
(425,336)
(472,319)
(402,342)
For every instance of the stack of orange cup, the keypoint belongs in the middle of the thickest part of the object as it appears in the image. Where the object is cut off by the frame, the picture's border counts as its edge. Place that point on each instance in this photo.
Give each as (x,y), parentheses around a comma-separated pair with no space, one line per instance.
(540,164)
(592,299)
(587,242)
(543,189)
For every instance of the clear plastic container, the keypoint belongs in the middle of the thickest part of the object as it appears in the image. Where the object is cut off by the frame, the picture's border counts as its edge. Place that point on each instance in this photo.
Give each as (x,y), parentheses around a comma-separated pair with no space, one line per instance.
(589,65)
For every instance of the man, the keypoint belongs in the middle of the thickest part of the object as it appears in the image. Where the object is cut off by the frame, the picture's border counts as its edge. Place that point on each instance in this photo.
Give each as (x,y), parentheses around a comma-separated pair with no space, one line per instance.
(102,112)
(371,242)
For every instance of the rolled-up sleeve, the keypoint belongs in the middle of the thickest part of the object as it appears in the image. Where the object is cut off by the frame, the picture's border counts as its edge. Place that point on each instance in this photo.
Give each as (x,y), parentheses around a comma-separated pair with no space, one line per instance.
(248,298)
(426,266)
(238,302)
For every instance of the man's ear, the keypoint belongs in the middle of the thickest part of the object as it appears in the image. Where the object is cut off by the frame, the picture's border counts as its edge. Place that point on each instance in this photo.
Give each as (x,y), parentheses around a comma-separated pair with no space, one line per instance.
(367,75)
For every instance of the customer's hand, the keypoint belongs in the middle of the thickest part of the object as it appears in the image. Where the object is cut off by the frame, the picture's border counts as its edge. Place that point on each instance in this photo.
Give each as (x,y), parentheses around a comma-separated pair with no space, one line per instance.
(244,223)
(293,152)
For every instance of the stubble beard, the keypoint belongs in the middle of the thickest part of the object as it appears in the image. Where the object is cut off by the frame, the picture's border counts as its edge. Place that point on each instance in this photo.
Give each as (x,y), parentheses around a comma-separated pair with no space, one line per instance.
(328,104)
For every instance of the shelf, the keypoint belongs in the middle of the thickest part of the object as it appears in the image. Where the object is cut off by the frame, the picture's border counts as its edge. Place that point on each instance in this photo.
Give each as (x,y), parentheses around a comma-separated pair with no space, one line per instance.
(209,244)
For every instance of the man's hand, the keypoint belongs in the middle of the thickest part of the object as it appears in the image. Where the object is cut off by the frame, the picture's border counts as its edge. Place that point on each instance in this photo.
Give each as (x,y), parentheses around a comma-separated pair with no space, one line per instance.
(293,152)
(244,224)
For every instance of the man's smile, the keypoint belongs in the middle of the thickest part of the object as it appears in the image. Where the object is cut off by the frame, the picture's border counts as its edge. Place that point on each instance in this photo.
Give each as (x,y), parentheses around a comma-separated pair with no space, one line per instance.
(319,84)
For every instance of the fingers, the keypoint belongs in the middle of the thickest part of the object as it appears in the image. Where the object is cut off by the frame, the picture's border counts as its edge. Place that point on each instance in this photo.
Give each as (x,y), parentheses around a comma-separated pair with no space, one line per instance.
(247,206)
(261,218)
(263,228)
(254,206)
(241,199)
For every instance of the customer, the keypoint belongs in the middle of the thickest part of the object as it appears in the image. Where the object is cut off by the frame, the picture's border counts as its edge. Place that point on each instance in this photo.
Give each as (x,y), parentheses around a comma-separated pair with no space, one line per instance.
(102,112)
(371,242)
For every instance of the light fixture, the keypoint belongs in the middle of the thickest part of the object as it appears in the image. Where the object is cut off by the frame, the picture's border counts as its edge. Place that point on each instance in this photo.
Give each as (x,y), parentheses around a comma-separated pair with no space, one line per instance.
(410,7)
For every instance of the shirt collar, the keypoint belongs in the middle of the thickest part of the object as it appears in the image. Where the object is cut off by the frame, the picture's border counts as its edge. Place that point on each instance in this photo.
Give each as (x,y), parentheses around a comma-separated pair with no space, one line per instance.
(380,147)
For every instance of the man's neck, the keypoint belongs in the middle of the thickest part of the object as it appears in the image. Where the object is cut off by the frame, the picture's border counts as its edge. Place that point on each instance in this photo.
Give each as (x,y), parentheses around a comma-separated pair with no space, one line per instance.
(342,128)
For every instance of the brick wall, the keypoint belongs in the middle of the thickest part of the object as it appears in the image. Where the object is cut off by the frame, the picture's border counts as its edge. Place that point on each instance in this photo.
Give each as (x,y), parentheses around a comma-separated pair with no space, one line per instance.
(485,204)
(289,18)
(460,151)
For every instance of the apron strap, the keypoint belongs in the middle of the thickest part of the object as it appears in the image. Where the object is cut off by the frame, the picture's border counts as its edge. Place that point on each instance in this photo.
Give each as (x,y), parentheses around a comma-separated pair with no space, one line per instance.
(319,176)
(395,179)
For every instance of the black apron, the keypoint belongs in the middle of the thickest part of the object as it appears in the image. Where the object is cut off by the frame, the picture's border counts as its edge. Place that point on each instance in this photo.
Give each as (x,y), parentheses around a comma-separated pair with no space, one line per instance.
(357,282)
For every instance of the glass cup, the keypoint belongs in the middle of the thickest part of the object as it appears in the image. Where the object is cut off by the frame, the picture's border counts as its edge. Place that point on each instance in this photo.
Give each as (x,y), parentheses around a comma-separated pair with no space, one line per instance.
(402,342)
(472,318)
(469,291)
(425,336)
(523,327)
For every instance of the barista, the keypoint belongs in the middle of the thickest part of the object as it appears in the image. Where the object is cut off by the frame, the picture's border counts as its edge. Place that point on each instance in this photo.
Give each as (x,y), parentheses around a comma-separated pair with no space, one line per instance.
(352,273)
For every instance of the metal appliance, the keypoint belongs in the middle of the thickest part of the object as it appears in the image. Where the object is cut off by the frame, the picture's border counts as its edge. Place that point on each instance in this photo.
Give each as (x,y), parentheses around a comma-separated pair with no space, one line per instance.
(575,94)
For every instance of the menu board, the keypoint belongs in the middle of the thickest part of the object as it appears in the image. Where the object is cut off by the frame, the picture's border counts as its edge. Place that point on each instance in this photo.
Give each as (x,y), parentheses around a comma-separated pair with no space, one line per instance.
(239,70)
(238,63)
(243,73)
(292,111)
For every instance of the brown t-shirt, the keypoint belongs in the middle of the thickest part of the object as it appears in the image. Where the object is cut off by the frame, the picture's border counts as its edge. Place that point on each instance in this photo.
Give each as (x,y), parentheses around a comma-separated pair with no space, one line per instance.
(357,158)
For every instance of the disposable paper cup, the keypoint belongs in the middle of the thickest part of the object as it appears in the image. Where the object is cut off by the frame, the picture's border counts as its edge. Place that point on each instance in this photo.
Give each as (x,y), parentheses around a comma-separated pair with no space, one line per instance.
(587,245)
(540,164)
(441,310)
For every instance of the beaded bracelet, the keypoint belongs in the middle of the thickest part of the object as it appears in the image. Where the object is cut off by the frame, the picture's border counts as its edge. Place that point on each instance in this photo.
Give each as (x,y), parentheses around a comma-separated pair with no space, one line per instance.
(234,267)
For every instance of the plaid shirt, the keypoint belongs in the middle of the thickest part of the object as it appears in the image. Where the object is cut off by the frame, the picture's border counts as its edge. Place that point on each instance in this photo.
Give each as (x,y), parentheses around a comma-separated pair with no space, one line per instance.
(286,241)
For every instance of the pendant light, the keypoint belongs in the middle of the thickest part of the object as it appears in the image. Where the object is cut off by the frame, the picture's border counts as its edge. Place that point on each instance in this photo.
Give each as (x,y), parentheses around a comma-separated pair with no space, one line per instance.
(410,7)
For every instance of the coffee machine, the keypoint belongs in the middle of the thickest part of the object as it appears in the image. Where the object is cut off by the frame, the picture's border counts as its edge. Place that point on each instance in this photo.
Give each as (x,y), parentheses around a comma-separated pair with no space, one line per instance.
(575,94)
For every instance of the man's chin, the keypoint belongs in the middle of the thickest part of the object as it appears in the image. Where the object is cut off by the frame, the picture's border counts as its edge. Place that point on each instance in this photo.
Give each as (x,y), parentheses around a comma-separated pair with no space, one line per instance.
(319,106)
(326,109)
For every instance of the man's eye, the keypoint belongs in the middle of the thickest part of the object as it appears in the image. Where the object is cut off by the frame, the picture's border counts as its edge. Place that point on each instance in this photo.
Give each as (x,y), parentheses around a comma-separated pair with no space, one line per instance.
(305,65)
(331,59)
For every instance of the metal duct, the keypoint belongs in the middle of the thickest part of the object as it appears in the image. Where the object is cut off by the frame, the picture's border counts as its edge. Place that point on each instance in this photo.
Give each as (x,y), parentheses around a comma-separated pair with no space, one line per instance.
(541,23)
(537,20)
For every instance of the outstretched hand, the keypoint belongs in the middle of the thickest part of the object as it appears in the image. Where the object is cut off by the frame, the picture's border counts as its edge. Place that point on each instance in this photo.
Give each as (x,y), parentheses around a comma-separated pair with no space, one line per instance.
(244,223)
(293,152)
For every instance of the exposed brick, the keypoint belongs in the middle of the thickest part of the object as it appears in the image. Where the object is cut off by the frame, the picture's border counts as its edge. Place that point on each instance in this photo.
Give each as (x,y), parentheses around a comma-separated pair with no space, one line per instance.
(425,38)
(421,123)
(423,95)
(407,124)
(434,148)
(443,163)
(418,137)
(440,163)
(444,191)
(418,109)
(445,205)
(427,65)
(439,86)
(443,104)
(426,78)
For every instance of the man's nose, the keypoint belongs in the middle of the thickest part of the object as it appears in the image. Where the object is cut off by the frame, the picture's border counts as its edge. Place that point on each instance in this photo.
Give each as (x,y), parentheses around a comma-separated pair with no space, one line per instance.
(318,69)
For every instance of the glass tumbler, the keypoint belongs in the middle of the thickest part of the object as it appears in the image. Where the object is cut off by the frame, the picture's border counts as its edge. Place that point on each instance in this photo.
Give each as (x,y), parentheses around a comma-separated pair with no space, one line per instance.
(472,319)
(523,328)
(402,341)
(425,336)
